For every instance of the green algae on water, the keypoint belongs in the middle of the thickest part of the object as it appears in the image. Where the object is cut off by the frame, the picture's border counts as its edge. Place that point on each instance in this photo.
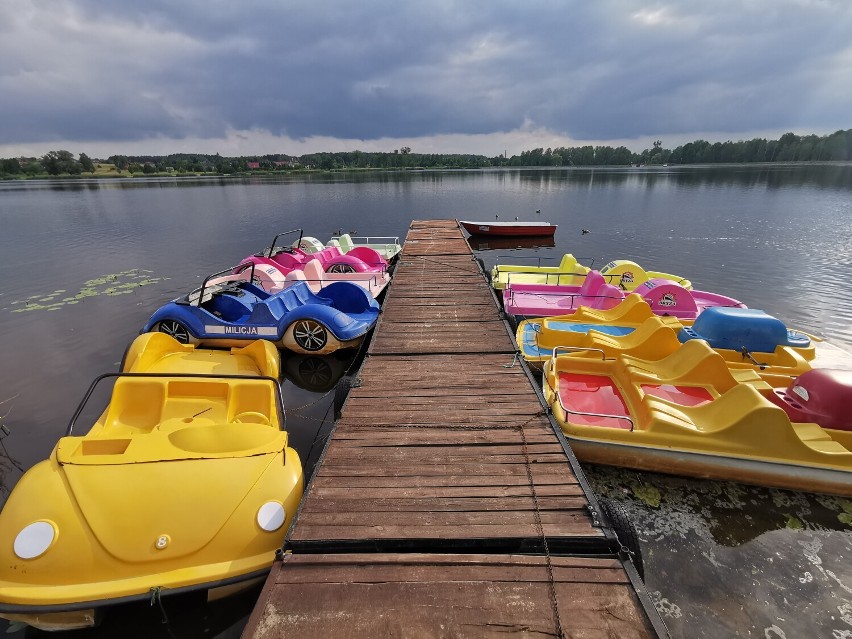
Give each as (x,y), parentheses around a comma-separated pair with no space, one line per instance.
(846,516)
(648,494)
(114,284)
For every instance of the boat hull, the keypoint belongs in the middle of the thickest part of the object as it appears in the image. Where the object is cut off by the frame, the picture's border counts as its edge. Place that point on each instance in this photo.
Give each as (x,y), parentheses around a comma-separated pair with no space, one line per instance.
(709,466)
(509,229)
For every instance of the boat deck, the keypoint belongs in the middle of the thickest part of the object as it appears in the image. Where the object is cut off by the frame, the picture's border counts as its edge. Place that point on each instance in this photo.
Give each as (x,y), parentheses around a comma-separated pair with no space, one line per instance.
(446,502)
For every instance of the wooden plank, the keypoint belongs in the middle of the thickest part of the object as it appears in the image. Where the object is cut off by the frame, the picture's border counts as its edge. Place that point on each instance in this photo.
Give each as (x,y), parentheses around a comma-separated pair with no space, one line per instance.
(379,505)
(357,433)
(425,596)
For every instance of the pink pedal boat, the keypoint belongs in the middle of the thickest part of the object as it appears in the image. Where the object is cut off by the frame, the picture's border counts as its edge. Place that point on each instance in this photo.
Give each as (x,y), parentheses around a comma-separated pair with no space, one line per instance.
(544,300)
(272,280)
(361,259)
(663,296)
(316,278)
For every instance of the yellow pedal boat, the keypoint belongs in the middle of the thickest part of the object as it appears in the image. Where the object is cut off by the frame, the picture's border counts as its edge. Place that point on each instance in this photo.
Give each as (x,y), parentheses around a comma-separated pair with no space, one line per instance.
(185,482)
(687,414)
(625,274)
(569,273)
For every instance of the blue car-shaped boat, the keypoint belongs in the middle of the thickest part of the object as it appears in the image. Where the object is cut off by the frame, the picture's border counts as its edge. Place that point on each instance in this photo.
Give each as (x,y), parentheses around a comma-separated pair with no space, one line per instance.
(228,310)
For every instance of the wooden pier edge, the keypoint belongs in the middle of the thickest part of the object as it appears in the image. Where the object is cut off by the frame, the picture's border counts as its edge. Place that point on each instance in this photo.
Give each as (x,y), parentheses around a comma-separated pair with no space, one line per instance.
(442,503)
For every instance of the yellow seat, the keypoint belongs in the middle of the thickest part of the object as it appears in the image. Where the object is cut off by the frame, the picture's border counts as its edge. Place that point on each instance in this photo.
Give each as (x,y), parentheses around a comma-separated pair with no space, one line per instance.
(652,340)
(694,362)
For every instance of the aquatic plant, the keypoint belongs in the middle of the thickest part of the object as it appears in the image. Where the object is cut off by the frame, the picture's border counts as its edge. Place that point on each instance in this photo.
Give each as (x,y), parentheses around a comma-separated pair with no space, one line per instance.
(114,284)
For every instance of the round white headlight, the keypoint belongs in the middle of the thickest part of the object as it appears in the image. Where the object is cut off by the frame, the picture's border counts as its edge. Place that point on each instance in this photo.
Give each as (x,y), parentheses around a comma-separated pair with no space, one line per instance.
(34,539)
(271,516)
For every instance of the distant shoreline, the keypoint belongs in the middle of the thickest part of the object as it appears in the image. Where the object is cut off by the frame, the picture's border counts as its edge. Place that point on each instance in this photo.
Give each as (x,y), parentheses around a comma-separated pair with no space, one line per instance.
(789,148)
(125,175)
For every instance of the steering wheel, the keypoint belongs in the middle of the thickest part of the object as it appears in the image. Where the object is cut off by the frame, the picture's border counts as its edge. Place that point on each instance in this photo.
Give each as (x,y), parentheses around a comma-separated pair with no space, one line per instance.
(250,417)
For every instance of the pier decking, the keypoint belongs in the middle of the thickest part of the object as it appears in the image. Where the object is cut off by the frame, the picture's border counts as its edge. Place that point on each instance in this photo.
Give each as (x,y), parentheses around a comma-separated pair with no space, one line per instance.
(445,503)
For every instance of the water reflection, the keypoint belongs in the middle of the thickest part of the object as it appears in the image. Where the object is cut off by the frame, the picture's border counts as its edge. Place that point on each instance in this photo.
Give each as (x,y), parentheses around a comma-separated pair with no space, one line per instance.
(769,176)
(317,374)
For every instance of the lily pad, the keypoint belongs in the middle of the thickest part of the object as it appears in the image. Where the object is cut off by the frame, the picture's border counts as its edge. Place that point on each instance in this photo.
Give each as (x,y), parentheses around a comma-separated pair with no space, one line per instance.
(113,284)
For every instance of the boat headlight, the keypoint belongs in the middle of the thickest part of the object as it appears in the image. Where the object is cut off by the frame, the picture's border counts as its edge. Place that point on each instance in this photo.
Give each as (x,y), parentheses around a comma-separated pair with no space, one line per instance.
(271,516)
(34,540)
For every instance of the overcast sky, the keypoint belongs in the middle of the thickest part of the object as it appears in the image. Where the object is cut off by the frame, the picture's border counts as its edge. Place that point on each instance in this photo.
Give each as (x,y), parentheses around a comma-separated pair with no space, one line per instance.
(254,77)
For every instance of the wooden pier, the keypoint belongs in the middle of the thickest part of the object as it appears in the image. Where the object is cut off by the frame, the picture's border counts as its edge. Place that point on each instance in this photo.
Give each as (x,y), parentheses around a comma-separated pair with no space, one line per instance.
(447,503)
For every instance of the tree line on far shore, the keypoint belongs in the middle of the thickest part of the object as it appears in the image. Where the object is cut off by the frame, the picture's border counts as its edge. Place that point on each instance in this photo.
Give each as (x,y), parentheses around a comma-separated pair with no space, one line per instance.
(788,148)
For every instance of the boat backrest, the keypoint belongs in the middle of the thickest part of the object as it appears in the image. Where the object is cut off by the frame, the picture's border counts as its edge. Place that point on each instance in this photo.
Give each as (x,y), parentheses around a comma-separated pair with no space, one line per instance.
(568,263)
(693,363)
(288,298)
(371,257)
(252,397)
(667,296)
(625,274)
(296,275)
(136,404)
(269,311)
(264,356)
(592,283)
(310,245)
(313,271)
(651,336)
(742,412)
(346,243)
(607,296)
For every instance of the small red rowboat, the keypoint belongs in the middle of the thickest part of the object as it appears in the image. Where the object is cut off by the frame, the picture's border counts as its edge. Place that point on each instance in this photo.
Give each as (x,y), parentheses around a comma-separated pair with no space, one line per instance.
(509,229)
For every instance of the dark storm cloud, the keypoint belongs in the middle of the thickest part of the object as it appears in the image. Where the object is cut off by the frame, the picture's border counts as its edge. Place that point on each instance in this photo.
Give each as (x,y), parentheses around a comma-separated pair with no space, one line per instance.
(602,70)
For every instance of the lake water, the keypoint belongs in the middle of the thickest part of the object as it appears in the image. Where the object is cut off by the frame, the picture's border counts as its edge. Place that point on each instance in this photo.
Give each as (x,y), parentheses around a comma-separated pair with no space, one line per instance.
(87,262)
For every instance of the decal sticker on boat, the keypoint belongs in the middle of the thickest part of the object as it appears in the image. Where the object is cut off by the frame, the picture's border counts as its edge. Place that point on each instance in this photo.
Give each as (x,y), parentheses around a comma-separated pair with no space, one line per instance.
(260,331)
(668,299)
(607,267)
(484,228)
(801,392)
(627,276)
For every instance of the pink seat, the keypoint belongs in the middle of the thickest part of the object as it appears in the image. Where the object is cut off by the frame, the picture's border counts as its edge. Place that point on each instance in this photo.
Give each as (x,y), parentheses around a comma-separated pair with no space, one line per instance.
(607,296)
(295,276)
(314,271)
(592,283)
